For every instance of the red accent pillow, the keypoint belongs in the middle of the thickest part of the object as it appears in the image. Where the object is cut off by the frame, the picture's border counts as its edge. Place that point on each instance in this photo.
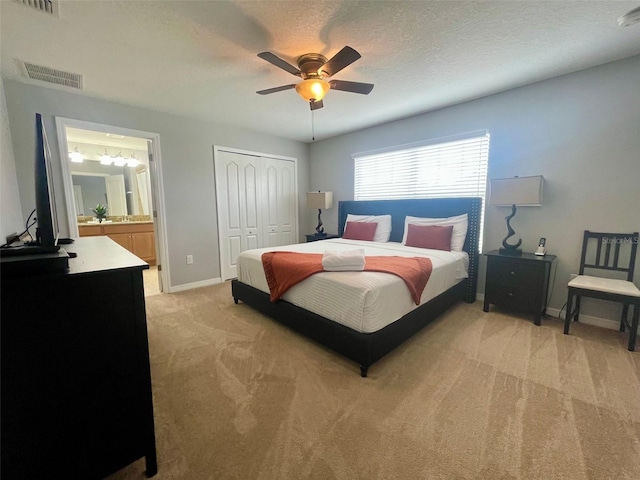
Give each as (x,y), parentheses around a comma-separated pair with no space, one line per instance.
(437,237)
(360,231)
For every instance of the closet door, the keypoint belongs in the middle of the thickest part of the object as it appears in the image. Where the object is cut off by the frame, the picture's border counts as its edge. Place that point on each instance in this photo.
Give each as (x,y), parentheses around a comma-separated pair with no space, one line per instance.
(239,209)
(279,193)
(257,204)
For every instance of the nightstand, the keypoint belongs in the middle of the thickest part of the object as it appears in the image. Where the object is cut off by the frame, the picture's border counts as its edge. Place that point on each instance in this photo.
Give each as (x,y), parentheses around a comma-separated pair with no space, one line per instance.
(313,237)
(520,283)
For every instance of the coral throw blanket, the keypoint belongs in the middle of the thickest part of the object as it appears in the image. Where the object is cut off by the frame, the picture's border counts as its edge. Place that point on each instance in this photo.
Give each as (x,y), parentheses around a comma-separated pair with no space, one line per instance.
(284,269)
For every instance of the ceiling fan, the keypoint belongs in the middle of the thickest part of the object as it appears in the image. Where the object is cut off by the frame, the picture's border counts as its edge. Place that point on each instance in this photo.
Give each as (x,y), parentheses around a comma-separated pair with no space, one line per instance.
(313,68)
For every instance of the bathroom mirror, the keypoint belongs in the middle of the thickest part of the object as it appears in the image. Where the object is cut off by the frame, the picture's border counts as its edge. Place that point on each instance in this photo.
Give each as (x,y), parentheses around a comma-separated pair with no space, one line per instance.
(122,189)
(111,170)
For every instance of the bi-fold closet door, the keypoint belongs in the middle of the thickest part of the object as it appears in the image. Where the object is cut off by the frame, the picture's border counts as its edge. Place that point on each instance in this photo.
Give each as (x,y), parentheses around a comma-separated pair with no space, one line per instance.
(257,204)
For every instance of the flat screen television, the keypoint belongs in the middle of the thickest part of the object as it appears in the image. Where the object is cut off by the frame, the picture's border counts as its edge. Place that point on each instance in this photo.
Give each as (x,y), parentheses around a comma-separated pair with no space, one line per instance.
(47,220)
(42,254)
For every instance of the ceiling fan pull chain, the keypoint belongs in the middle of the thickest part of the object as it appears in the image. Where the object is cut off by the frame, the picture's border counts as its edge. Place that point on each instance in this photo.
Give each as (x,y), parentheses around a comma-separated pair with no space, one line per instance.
(313,129)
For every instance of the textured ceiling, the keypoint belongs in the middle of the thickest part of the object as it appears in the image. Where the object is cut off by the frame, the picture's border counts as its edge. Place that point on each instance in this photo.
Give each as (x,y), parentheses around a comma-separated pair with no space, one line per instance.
(198,58)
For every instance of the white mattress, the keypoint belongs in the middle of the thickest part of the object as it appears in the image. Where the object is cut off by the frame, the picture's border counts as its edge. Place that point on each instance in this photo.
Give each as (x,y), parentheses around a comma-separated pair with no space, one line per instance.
(363,301)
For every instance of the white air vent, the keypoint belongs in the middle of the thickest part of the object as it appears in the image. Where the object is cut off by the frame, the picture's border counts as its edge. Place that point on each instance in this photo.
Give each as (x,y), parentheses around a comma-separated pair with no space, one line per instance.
(47,6)
(51,75)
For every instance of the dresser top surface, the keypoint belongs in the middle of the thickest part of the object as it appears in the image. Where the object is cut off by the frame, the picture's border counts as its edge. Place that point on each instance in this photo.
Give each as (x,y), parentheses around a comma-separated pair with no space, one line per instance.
(92,255)
(100,254)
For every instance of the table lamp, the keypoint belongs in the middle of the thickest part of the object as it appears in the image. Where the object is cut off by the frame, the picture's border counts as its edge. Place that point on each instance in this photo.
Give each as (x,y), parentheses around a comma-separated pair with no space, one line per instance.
(320,200)
(516,191)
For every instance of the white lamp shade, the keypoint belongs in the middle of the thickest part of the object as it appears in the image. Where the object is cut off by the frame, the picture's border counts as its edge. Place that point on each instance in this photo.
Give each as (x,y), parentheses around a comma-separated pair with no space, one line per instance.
(519,191)
(320,200)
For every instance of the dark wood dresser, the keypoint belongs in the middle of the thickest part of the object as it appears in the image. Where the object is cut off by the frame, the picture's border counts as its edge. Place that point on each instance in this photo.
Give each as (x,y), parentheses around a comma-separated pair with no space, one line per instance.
(518,282)
(76,384)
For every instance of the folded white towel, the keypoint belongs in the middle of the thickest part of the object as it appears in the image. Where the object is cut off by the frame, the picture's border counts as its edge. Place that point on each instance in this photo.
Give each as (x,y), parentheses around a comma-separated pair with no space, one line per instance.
(343,261)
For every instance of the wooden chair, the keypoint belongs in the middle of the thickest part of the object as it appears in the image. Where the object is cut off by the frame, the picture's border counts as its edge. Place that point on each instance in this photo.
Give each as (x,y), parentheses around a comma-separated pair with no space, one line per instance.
(607,260)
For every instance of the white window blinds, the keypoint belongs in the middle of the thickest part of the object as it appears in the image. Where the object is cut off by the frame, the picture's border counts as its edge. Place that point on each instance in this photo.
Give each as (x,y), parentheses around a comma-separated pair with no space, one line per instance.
(454,167)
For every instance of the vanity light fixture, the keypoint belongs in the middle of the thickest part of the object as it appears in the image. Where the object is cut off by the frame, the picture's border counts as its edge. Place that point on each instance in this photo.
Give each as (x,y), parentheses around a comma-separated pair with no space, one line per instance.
(132,161)
(106,159)
(119,160)
(76,156)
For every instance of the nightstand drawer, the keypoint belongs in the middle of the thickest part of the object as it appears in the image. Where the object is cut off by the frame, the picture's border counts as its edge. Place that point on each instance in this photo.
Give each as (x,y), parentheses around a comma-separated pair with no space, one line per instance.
(517,297)
(513,273)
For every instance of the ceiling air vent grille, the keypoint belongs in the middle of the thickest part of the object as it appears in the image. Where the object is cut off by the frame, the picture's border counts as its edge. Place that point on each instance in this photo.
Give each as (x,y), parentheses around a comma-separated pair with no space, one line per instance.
(46,6)
(51,75)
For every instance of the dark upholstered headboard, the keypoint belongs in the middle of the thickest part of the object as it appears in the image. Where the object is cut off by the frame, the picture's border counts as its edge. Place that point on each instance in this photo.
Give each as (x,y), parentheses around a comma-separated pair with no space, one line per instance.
(424,207)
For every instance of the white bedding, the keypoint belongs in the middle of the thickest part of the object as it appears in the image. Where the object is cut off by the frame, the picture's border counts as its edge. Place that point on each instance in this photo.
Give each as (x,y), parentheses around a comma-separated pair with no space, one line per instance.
(363,301)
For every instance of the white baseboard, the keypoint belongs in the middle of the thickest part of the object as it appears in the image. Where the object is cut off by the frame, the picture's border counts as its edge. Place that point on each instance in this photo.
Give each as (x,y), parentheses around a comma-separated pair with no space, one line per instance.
(586,319)
(190,286)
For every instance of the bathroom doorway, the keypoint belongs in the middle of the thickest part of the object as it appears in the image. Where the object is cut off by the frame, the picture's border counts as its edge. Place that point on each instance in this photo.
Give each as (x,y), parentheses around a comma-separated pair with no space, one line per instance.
(118,170)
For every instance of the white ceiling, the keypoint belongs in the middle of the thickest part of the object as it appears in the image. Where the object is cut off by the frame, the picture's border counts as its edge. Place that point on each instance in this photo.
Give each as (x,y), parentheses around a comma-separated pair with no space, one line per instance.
(198,58)
(101,139)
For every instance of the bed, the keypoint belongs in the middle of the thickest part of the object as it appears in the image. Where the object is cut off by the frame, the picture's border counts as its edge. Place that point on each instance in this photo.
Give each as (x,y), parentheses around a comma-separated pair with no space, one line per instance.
(360,330)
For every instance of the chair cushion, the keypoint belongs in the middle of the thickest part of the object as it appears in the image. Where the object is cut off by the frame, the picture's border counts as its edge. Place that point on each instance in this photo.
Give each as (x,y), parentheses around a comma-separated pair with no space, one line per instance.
(609,285)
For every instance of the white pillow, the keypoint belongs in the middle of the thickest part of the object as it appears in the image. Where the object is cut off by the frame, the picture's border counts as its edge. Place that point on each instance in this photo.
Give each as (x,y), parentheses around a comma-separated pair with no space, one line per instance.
(460,224)
(383,230)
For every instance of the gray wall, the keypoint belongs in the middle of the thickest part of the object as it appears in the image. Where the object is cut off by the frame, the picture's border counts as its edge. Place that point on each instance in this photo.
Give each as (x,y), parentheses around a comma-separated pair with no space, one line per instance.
(11,220)
(187,163)
(581,131)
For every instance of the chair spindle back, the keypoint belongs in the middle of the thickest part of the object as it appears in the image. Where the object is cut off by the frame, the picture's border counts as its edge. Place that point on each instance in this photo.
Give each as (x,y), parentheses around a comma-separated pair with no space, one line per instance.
(605,259)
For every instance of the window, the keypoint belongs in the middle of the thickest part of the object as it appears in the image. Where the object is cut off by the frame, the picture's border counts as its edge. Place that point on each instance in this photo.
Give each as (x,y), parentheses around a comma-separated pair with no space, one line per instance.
(450,167)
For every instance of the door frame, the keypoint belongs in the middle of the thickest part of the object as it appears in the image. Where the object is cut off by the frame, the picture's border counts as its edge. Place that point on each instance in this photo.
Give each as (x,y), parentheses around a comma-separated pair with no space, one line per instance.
(219,148)
(158,211)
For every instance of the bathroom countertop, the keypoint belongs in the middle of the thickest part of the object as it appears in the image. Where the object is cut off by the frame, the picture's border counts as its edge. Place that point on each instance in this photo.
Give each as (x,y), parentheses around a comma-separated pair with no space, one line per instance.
(113,223)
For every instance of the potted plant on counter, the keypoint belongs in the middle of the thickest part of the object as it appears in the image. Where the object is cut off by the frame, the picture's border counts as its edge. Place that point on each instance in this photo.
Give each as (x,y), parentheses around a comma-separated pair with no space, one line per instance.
(100,211)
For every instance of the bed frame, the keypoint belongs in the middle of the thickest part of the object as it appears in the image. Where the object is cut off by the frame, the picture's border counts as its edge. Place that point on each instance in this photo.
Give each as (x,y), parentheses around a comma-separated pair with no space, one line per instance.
(367,348)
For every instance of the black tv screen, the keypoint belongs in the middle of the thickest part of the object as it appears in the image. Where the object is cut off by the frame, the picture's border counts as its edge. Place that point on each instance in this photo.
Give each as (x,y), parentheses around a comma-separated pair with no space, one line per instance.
(47,230)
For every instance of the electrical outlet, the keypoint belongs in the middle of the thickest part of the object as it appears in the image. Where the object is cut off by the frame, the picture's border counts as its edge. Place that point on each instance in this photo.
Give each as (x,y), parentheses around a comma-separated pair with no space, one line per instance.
(189,259)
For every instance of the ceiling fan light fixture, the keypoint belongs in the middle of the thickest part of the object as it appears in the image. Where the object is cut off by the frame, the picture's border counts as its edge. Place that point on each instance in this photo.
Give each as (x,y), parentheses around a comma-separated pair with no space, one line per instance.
(313,89)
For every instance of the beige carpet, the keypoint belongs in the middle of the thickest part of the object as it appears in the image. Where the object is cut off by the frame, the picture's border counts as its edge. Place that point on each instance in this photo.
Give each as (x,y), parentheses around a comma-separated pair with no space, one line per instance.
(473,396)
(151,281)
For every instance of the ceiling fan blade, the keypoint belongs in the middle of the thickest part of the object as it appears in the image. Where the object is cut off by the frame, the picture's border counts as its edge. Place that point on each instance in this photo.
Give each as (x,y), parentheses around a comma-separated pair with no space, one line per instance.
(276,89)
(278,62)
(340,60)
(354,87)
(316,105)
